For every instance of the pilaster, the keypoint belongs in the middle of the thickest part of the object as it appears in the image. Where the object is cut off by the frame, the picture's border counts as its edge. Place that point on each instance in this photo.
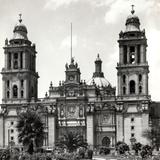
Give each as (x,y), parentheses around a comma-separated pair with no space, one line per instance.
(90,125)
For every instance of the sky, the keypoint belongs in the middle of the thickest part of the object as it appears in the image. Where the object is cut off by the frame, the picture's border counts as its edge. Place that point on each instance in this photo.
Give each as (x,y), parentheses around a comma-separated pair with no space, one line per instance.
(96,26)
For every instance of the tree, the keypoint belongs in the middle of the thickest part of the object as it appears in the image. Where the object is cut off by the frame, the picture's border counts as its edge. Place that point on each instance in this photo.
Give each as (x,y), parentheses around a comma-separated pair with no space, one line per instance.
(146,151)
(137,147)
(71,142)
(30,130)
(122,147)
(153,135)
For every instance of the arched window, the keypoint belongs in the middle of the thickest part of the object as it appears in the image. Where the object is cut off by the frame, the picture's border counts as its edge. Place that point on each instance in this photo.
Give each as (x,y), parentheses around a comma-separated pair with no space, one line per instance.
(132,58)
(132,54)
(124,79)
(124,90)
(132,87)
(8,84)
(8,94)
(22,83)
(22,94)
(140,78)
(15,62)
(15,91)
(140,89)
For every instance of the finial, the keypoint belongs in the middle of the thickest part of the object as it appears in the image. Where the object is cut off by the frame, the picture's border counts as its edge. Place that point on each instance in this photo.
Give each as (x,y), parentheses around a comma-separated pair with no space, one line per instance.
(46,95)
(71,41)
(98,55)
(132,11)
(20,18)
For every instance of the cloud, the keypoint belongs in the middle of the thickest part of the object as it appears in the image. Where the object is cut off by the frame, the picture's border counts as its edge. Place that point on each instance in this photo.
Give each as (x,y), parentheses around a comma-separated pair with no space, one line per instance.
(101,3)
(153,51)
(66,42)
(54,4)
(117,9)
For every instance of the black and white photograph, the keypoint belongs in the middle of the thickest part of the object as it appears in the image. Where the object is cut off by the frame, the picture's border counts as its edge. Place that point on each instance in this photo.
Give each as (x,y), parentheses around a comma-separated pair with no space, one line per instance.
(79,79)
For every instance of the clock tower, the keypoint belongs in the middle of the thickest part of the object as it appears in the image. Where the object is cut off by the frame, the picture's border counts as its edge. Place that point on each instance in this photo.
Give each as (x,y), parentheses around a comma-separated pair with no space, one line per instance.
(72,72)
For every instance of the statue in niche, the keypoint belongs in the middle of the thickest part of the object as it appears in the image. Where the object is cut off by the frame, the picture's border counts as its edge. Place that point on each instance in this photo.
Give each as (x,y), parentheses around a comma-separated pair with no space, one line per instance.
(61,112)
(106,119)
(72,111)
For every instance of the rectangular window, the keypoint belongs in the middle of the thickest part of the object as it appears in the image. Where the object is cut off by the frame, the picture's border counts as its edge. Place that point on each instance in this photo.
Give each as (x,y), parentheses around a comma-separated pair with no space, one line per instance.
(12,123)
(12,130)
(132,127)
(12,138)
(132,135)
(132,119)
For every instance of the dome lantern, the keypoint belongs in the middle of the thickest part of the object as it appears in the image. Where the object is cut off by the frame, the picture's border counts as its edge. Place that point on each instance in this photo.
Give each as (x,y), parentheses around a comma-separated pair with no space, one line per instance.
(20,30)
(132,22)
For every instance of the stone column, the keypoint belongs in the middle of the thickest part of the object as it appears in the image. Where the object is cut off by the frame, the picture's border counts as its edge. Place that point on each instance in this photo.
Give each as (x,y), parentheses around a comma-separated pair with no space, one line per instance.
(19,88)
(2,138)
(119,127)
(142,53)
(51,127)
(145,85)
(24,60)
(121,54)
(128,55)
(136,54)
(26,89)
(6,60)
(119,85)
(90,125)
(3,89)
(12,61)
(145,126)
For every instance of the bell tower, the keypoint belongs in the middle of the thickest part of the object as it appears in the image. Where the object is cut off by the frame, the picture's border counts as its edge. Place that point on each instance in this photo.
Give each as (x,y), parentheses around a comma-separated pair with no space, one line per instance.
(19,75)
(132,74)
(133,67)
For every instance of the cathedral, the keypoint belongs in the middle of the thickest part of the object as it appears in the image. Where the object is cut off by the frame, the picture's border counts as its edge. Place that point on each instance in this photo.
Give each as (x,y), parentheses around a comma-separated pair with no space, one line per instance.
(90,108)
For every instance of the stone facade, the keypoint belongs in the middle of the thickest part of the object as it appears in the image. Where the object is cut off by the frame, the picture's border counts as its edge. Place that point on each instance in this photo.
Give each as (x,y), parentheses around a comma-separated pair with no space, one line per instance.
(91,108)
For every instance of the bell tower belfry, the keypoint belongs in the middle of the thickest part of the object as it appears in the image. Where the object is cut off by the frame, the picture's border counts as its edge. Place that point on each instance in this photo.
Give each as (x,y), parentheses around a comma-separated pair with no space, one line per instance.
(132,77)
(19,75)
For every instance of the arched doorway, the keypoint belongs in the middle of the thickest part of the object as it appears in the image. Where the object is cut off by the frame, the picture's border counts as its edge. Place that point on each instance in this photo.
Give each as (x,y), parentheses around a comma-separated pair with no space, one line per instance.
(106,141)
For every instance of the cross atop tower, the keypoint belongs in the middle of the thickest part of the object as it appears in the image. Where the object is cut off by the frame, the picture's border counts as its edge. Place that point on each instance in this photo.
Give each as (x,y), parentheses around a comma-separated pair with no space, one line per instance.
(132,11)
(71,43)
(20,17)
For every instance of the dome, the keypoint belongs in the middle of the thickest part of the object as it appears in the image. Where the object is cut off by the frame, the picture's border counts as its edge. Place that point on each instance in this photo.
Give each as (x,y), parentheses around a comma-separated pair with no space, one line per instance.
(20,31)
(132,22)
(99,81)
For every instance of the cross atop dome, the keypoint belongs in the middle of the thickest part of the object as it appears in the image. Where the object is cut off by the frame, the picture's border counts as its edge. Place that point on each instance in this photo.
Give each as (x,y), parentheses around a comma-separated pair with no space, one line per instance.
(20,18)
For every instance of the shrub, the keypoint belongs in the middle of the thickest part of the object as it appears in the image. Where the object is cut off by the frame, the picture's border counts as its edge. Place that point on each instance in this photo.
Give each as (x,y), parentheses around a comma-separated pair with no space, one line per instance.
(122,147)
(146,151)
(104,150)
(137,147)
